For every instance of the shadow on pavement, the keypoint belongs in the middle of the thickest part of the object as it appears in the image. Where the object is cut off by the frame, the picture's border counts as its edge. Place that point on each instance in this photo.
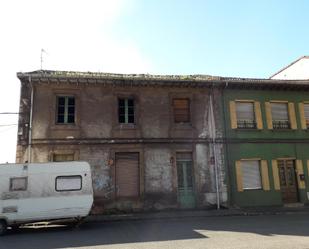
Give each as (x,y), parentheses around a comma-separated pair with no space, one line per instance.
(95,234)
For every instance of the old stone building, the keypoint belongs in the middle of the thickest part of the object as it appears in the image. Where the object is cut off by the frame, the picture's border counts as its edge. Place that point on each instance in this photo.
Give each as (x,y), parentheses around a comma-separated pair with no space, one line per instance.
(153,142)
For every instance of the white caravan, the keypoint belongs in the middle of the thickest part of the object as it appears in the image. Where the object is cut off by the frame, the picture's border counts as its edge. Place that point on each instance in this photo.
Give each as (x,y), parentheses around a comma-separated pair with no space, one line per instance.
(33,192)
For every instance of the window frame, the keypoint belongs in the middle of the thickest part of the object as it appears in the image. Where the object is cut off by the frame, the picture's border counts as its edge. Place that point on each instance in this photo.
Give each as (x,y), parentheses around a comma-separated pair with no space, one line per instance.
(63,154)
(66,109)
(288,115)
(126,107)
(188,99)
(260,174)
(14,178)
(69,176)
(254,121)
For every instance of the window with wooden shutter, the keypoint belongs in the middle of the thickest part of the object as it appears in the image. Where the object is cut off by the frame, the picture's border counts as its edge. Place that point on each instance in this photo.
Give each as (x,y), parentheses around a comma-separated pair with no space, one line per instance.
(251,174)
(245,115)
(280,116)
(181,109)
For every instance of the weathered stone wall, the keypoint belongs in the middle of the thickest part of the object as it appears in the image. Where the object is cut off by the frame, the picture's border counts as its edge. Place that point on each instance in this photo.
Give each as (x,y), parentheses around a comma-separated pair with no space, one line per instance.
(97,136)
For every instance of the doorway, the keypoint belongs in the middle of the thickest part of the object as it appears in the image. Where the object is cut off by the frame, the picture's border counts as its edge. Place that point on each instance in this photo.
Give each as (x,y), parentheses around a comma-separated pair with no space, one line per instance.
(186,193)
(288,182)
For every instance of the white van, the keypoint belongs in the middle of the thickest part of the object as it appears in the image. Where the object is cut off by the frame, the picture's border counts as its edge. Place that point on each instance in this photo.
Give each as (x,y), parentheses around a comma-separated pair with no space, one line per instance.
(33,192)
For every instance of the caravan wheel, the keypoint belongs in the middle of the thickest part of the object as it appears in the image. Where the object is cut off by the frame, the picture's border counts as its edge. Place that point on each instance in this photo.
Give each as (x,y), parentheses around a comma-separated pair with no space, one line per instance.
(3,227)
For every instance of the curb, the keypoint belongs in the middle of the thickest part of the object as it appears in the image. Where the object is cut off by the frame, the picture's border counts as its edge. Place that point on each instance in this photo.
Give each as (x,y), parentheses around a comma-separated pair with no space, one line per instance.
(188,214)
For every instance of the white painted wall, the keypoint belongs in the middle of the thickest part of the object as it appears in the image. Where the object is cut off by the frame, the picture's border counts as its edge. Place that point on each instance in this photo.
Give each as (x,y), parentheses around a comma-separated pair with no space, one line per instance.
(297,71)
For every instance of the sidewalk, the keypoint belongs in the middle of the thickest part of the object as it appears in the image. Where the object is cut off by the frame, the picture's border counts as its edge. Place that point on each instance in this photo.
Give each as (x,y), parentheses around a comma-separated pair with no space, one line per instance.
(175,214)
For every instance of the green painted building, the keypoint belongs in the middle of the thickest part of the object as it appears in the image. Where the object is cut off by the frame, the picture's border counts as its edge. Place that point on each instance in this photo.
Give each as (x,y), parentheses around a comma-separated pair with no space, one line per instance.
(267,141)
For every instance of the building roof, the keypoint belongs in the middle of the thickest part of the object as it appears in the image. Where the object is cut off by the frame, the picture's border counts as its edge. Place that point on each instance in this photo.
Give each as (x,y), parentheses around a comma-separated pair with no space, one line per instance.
(196,80)
(291,64)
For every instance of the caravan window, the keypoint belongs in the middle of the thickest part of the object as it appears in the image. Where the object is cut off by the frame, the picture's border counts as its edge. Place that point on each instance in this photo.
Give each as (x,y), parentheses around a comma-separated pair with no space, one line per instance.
(68,183)
(18,183)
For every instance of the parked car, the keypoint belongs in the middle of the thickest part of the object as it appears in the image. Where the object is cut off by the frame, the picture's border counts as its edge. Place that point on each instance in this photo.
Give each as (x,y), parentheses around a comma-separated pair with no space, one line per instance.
(34,192)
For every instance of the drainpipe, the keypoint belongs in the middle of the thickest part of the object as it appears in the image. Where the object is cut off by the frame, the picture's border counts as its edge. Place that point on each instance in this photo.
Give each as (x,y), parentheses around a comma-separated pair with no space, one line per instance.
(30,123)
(213,142)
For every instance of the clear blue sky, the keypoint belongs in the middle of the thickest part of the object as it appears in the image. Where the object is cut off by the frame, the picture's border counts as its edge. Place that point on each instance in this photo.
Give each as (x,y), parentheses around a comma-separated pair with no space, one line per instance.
(243,38)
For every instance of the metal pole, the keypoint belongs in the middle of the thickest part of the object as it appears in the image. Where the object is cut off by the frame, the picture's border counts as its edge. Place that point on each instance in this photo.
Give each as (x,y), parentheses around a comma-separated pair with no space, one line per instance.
(213,140)
(30,123)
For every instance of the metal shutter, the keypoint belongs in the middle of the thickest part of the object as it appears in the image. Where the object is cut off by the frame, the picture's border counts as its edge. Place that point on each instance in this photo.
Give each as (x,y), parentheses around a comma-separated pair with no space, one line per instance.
(127,174)
(251,174)
(245,111)
(279,111)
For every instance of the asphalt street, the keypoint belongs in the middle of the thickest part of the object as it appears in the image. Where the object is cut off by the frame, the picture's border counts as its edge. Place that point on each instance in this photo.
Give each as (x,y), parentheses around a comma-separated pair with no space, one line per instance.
(263,231)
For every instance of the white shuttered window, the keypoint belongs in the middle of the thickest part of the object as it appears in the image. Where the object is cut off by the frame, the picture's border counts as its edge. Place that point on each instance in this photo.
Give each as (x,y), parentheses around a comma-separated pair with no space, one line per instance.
(251,174)
(280,115)
(245,115)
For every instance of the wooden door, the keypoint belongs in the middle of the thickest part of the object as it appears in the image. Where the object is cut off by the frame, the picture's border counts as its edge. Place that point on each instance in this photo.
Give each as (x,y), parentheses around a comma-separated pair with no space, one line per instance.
(127,175)
(288,183)
(186,194)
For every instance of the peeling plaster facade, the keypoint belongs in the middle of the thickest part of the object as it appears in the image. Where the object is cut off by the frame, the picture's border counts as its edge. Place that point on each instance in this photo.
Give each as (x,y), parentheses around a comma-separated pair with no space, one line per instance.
(96,136)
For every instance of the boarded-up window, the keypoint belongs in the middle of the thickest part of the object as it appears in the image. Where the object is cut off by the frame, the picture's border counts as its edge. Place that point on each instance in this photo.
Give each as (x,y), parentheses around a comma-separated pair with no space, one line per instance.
(126,111)
(251,175)
(65,110)
(18,183)
(306,110)
(181,110)
(245,115)
(63,157)
(68,183)
(280,116)
(127,174)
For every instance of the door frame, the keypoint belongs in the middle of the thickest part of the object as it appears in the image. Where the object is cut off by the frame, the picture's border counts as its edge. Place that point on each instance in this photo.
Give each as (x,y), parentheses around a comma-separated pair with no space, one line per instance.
(295,177)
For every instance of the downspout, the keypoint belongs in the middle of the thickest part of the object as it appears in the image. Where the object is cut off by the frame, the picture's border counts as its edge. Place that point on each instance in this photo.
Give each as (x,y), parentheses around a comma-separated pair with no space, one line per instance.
(30,123)
(230,194)
(213,142)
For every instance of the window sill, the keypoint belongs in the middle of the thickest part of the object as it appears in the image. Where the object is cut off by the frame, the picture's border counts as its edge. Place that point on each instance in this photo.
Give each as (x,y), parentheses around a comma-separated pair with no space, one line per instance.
(182,126)
(64,127)
(248,129)
(126,127)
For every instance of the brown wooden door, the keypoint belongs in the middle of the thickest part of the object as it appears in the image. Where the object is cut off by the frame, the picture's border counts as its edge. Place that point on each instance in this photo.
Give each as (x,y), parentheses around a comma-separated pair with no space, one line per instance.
(127,175)
(288,183)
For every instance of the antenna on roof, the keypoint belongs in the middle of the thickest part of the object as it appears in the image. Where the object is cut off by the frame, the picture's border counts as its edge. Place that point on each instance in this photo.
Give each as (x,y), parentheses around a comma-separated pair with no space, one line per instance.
(42,51)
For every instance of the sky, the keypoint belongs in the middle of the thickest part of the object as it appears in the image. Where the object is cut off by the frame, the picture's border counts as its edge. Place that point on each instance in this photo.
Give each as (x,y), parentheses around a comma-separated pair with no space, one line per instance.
(240,38)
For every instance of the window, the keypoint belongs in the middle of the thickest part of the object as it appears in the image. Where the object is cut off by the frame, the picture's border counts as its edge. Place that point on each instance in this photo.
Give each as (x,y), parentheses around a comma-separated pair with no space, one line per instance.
(68,183)
(126,111)
(245,115)
(65,110)
(306,112)
(181,110)
(280,116)
(251,175)
(63,157)
(18,184)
